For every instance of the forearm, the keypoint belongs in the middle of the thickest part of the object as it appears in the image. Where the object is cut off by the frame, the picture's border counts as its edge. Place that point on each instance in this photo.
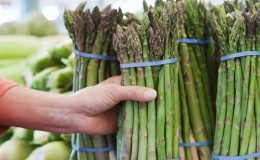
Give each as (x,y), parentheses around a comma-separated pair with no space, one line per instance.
(36,110)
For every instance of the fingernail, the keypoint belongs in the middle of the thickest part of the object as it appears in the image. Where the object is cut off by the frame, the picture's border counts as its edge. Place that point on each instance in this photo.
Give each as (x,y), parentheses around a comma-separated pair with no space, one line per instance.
(150,94)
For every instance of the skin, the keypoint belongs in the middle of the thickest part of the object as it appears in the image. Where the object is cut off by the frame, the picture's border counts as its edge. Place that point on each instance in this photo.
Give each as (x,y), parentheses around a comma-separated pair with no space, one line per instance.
(91,110)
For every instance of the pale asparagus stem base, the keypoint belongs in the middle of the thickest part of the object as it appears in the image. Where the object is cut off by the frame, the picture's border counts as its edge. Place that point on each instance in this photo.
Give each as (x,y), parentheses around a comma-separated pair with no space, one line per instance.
(194,150)
(181,150)
(110,142)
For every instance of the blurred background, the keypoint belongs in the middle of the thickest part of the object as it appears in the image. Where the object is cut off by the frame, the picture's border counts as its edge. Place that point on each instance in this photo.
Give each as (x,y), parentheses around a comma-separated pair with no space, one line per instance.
(31,16)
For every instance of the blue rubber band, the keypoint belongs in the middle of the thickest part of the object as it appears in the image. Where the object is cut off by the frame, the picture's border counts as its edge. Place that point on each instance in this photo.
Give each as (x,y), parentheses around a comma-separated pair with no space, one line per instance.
(197,144)
(148,64)
(95,56)
(194,41)
(94,150)
(239,54)
(247,156)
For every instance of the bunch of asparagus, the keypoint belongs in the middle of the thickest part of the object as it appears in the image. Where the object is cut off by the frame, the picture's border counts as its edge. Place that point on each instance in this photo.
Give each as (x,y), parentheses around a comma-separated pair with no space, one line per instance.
(92,32)
(237,127)
(150,130)
(197,111)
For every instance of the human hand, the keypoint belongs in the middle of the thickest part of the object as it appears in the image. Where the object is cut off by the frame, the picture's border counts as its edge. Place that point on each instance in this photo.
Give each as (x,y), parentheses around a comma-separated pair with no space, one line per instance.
(94,111)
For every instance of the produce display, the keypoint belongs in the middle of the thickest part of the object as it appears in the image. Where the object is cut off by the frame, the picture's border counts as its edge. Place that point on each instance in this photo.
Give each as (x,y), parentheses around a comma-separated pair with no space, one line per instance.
(50,70)
(15,50)
(203,61)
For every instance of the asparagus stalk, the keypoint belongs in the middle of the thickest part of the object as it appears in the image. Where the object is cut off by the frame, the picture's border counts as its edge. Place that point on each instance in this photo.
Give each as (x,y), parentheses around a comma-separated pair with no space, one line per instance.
(233,40)
(127,115)
(185,117)
(252,141)
(195,155)
(90,31)
(168,102)
(250,45)
(235,131)
(156,53)
(151,152)
(142,107)
(110,142)
(106,22)
(250,110)
(160,130)
(257,110)
(181,150)
(258,77)
(155,41)
(173,14)
(80,143)
(257,103)
(218,19)
(131,53)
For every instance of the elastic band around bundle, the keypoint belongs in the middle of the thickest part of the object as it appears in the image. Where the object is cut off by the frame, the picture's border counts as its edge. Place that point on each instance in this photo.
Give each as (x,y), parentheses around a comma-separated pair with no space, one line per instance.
(95,56)
(196,144)
(94,150)
(148,64)
(239,54)
(247,156)
(194,41)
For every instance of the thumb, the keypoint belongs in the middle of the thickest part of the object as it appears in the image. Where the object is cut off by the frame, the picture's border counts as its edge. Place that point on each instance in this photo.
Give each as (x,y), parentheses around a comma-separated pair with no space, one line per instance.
(136,93)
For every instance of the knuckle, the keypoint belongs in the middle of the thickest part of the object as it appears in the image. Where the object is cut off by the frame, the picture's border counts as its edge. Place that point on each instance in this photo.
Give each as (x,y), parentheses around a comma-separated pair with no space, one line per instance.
(113,92)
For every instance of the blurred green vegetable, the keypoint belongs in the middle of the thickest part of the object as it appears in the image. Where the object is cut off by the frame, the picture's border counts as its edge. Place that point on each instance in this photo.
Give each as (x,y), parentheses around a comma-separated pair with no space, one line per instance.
(40,79)
(7,135)
(15,150)
(22,134)
(42,137)
(61,79)
(38,25)
(52,151)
